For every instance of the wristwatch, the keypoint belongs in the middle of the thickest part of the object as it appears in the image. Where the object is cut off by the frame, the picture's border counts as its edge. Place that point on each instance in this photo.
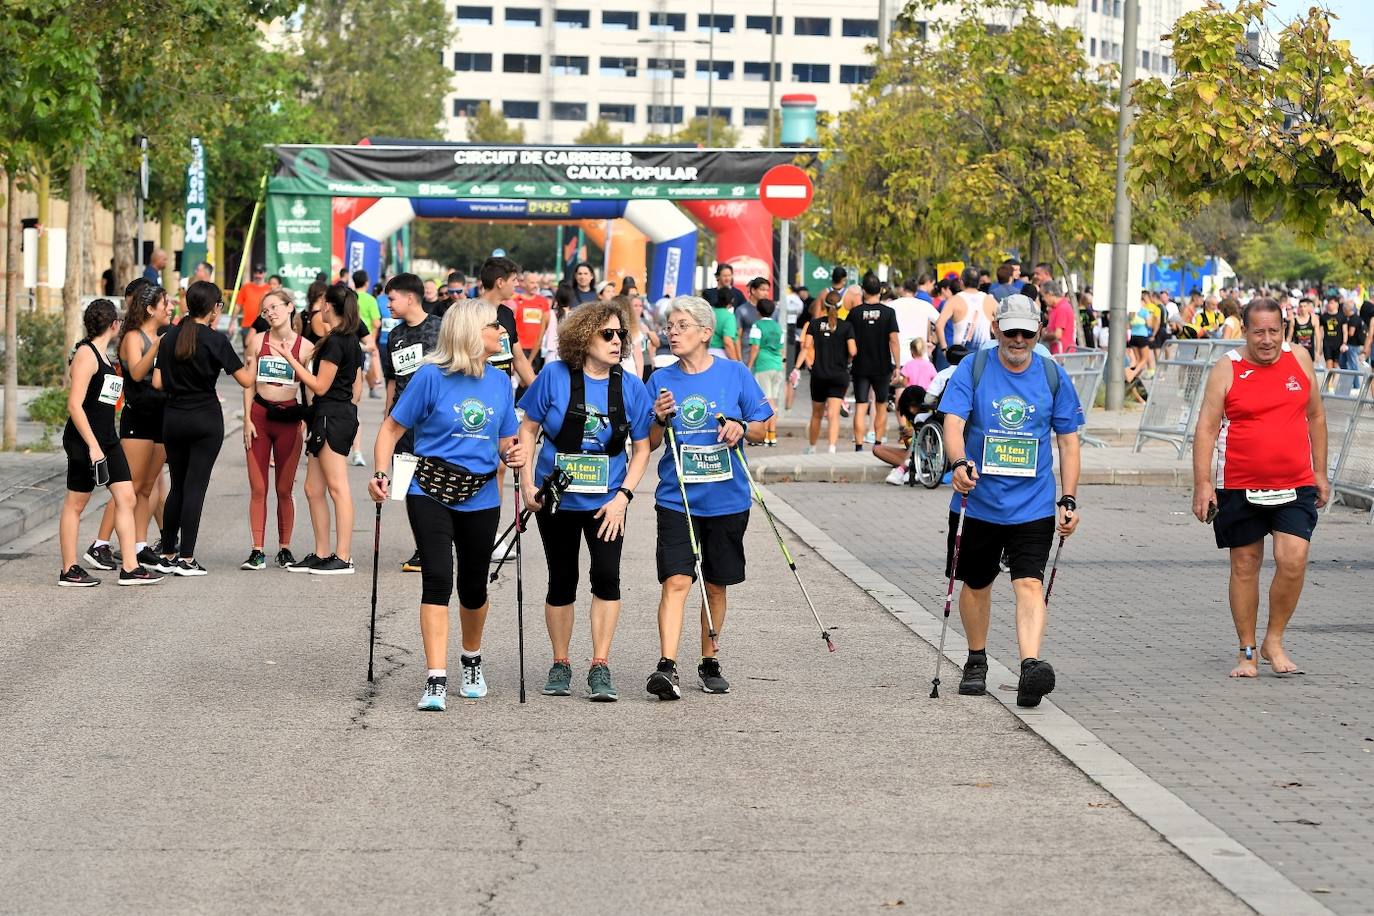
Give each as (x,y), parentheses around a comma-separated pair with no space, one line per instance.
(1068,502)
(627,493)
(962,462)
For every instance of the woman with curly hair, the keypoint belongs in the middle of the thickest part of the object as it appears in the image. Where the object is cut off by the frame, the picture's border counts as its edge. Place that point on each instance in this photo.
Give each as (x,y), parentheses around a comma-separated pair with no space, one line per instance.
(589,409)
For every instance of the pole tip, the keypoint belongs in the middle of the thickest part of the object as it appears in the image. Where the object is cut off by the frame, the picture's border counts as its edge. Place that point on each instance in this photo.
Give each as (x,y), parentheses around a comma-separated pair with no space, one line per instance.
(935,689)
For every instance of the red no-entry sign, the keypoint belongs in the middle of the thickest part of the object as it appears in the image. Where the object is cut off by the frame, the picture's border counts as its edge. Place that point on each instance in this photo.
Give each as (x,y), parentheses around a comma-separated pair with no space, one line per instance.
(786,191)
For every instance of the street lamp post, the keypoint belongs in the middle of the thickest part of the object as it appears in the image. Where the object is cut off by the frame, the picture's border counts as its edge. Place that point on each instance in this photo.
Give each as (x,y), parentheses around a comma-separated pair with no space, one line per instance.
(772,66)
(711,76)
(672,71)
(1121,228)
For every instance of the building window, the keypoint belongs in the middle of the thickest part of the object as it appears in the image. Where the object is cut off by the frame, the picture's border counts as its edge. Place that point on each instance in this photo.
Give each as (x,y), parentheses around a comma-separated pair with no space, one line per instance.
(1092,47)
(620,19)
(572,19)
(811,73)
(1166,65)
(723,23)
(570,111)
(660,114)
(520,63)
(661,68)
(859,28)
(756,117)
(810,25)
(468,62)
(853,74)
(724,69)
(1094,6)
(466,108)
(757,71)
(618,66)
(474,15)
(721,113)
(1116,8)
(525,110)
(523,17)
(667,22)
(916,28)
(760,24)
(1145,59)
(617,114)
(570,65)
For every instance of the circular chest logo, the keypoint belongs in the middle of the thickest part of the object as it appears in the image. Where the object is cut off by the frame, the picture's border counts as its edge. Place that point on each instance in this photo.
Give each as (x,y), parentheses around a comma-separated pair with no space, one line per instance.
(473,414)
(592,424)
(1012,412)
(694,412)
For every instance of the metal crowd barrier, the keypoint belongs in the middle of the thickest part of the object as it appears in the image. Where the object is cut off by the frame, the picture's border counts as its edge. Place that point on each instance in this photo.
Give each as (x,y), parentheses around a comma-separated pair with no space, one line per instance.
(1350,435)
(1175,393)
(1084,367)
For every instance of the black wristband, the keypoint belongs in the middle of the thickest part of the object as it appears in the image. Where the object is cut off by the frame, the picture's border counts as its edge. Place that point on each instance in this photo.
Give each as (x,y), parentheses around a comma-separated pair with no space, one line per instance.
(962,462)
(627,492)
(660,421)
(381,475)
(1068,502)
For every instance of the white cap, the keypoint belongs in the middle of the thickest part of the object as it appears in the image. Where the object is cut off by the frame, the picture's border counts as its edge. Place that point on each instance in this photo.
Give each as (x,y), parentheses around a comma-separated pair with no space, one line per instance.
(1018,313)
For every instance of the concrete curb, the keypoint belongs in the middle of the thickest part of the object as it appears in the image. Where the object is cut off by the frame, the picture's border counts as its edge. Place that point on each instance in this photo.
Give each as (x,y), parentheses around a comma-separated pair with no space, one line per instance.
(1235,867)
(844,469)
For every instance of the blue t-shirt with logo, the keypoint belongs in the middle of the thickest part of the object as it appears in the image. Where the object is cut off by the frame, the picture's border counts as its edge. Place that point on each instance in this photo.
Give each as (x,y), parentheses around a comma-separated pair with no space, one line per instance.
(546,403)
(461,419)
(1015,408)
(726,387)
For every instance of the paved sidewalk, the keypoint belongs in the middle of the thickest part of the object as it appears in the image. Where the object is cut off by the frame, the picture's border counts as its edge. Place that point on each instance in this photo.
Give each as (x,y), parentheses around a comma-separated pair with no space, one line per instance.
(211,745)
(1142,640)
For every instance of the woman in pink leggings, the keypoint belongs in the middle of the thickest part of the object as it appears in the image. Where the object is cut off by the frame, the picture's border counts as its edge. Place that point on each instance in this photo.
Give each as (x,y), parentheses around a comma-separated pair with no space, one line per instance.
(273,426)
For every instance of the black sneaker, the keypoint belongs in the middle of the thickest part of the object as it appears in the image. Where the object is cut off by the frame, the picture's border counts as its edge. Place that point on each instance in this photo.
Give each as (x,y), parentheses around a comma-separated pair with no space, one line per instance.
(165,564)
(304,564)
(76,577)
(188,568)
(413,564)
(712,681)
(139,576)
(663,683)
(256,560)
(332,566)
(148,557)
(1037,679)
(101,557)
(285,559)
(974,683)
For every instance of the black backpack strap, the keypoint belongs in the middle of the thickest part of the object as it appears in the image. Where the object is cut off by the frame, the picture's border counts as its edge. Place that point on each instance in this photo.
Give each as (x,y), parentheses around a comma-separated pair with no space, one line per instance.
(569,437)
(615,406)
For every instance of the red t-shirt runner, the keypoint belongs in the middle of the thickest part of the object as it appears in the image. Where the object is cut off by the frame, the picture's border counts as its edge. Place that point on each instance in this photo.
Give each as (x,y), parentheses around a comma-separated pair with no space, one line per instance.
(1265,443)
(529,311)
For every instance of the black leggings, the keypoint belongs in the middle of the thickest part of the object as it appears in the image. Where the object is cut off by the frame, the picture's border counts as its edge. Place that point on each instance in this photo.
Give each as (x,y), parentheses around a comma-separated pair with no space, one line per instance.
(192,439)
(438,530)
(560,533)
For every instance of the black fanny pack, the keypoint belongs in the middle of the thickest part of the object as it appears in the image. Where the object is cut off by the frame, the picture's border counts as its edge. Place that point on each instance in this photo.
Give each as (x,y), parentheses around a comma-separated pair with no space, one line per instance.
(278,412)
(450,484)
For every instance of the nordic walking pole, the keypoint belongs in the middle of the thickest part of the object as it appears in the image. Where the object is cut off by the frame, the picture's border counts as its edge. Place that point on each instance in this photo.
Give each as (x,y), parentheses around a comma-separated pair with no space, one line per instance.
(376,554)
(692,537)
(786,554)
(949,596)
(519,585)
(1054,568)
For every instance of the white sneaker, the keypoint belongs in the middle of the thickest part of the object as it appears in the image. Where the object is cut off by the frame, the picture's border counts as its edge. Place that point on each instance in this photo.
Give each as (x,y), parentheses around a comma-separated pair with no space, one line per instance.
(809,450)
(897,477)
(474,685)
(502,545)
(870,438)
(832,449)
(356,459)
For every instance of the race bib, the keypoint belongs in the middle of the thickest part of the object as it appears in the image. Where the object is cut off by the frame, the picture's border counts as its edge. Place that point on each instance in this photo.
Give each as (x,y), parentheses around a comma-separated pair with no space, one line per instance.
(706,463)
(755,334)
(589,473)
(1010,456)
(389,324)
(274,370)
(111,389)
(407,359)
(532,315)
(1271,497)
(504,355)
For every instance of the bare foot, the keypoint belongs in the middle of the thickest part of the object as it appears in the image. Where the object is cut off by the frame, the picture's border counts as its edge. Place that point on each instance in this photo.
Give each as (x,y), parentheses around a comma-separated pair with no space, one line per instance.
(1272,652)
(1245,667)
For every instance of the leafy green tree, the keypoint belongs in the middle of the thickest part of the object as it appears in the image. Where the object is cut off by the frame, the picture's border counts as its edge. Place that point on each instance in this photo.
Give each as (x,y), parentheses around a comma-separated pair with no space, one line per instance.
(723,136)
(465,245)
(487,126)
(1275,254)
(599,133)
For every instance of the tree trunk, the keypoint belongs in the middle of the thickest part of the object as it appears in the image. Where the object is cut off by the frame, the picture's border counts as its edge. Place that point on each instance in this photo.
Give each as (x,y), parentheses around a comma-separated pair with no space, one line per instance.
(41,291)
(125,210)
(164,240)
(11,435)
(1032,253)
(217,253)
(76,242)
(90,278)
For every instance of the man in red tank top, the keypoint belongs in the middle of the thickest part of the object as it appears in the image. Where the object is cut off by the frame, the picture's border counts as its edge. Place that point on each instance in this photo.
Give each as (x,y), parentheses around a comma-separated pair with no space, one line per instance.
(1263,421)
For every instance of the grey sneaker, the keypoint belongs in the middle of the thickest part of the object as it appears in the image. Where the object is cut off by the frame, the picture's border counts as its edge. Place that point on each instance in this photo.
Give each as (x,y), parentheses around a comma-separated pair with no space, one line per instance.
(599,686)
(663,683)
(712,681)
(559,683)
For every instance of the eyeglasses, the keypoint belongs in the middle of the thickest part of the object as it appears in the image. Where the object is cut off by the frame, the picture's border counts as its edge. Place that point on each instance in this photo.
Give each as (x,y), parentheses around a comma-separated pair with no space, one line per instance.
(682,326)
(495,325)
(609,334)
(1019,332)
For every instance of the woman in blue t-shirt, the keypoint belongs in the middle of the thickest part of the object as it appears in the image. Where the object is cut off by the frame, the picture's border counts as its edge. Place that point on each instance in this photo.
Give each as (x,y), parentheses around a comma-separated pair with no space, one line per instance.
(611,411)
(692,393)
(463,418)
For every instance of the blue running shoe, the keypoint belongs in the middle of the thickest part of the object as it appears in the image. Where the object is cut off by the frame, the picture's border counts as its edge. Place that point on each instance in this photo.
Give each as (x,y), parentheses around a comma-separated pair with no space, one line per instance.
(432,700)
(474,686)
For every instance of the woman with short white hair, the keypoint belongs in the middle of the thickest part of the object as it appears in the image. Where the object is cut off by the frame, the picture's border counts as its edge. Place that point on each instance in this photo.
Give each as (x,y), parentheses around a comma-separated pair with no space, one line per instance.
(463,418)
(706,406)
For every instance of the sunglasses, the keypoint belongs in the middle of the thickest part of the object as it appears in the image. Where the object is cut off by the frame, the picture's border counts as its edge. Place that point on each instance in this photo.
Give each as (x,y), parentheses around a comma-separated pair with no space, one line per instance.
(495,325)
(610,334)
(1018,332)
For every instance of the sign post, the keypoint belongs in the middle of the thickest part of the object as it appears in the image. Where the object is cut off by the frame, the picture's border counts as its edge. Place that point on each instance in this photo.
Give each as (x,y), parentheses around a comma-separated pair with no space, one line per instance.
(785,191)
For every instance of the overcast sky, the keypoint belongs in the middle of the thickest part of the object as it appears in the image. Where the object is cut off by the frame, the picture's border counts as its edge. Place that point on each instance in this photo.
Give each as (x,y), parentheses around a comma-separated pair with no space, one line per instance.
(1356,22)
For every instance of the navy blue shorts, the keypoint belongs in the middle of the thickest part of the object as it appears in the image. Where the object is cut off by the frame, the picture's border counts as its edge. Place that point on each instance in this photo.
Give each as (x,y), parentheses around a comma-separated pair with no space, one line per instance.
(1240,523)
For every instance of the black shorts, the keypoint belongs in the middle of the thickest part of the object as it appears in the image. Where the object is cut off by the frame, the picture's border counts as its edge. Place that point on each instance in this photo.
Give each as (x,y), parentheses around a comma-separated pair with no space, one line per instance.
(80,476)
(1240,522)
(1138,343)
(334,424)
(141,423)
(880,385)
(721,538)
(1027,546)
(823,388)
(1331,350)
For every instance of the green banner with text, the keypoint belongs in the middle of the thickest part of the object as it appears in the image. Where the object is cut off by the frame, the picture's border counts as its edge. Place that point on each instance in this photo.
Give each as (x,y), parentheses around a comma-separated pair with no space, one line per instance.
(299,237)
(197,225)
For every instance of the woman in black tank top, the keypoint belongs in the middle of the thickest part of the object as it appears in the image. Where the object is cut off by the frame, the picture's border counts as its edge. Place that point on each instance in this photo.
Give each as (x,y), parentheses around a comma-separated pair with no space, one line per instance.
(94,456)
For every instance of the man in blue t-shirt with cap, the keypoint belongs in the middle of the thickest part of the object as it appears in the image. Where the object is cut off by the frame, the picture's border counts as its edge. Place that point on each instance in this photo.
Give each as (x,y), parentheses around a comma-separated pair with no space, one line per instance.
(1000,407)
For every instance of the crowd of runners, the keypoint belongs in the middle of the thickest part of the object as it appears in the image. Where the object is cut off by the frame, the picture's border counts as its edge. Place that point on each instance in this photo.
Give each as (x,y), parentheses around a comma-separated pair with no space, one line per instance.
(570,391)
